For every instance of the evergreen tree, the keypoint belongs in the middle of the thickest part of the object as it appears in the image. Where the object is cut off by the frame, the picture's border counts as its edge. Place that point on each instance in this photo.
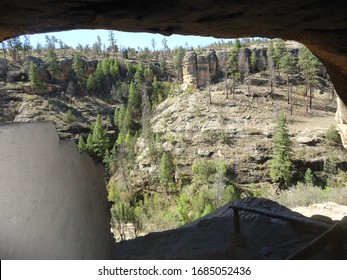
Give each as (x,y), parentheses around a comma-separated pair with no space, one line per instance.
(101,141)
(14,46)
(166,171)
(155,92)
(233,65)
(309,177)
(34,77)
(26,46)
(112,40)
(52,63)
(281,165)
(178,58)
(254,61)
(81,146)
(62,46)
(119,114)
(286,65)
(134,104)
(128,122)
(91,83)
(89,144)
(278,52)
(308,64)
(78,68)
(237,44)
(270,65)
(69,117)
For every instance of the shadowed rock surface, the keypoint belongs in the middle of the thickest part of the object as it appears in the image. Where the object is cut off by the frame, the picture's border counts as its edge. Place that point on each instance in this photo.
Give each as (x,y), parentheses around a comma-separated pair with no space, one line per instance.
(213,237)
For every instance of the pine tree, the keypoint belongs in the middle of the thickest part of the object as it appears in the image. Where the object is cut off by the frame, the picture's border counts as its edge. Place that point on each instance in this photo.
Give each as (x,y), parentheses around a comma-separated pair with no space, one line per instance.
(34,77)
(233,65)
(281,165)
(270,65)
(286,65)
(134,104)
(101,141)
(178,58)
(308,64)
(81,146)
(309,177)
(52,62)
(119,114)
(166,171)
(112,40)
(78,68)
(278,52)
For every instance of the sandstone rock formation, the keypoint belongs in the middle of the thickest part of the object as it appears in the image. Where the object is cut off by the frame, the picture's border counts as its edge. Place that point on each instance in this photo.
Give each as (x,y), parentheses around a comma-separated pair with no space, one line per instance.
(199,69)
(341,119)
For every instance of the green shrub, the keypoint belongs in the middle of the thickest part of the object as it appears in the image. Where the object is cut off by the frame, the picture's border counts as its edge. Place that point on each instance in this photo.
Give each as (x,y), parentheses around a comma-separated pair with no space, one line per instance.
(309,179)
(332,136)
(69,117)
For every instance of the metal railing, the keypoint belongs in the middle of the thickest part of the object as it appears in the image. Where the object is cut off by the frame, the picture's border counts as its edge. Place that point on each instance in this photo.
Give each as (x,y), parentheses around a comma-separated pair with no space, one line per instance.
(332,234)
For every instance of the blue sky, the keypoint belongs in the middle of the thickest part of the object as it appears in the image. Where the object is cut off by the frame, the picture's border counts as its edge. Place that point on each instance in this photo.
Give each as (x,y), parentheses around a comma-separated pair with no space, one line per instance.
(124,39)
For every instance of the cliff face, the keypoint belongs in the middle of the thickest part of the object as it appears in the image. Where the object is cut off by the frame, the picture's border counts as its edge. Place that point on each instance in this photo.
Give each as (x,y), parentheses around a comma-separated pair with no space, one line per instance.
(198,69)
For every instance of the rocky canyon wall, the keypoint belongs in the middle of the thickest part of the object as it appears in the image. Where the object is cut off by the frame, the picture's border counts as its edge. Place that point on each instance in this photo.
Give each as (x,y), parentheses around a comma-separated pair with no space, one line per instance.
(53,202)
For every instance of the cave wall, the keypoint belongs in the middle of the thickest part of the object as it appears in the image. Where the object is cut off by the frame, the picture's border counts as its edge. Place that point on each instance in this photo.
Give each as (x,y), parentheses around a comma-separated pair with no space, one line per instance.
(53,201)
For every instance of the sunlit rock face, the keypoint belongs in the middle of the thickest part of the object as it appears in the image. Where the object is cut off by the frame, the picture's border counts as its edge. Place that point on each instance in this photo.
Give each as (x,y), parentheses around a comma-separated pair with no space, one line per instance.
(53,202)
(341,119)
(199,69)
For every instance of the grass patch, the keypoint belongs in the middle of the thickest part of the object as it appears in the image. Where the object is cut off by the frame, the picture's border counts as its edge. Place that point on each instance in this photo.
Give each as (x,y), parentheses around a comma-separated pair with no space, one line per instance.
(305,195)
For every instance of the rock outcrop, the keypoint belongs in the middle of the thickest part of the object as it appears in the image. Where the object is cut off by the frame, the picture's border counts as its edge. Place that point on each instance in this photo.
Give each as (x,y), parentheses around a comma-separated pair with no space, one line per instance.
(341,120)
(199,69)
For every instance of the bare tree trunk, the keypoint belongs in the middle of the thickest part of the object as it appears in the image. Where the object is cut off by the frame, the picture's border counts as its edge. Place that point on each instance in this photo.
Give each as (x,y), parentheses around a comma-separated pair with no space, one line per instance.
(226,87)
(291,101)
(288,90)
(233,88)
(310,90)
(249,87)
(209,94)
(307,99)
(209,84)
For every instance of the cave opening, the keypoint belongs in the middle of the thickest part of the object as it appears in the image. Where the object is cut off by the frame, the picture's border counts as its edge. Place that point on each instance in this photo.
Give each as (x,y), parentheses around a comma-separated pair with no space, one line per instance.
(250,92)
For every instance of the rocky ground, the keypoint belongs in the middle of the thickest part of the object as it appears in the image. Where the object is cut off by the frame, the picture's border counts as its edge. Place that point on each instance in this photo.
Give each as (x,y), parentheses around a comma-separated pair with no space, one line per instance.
(19,106)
